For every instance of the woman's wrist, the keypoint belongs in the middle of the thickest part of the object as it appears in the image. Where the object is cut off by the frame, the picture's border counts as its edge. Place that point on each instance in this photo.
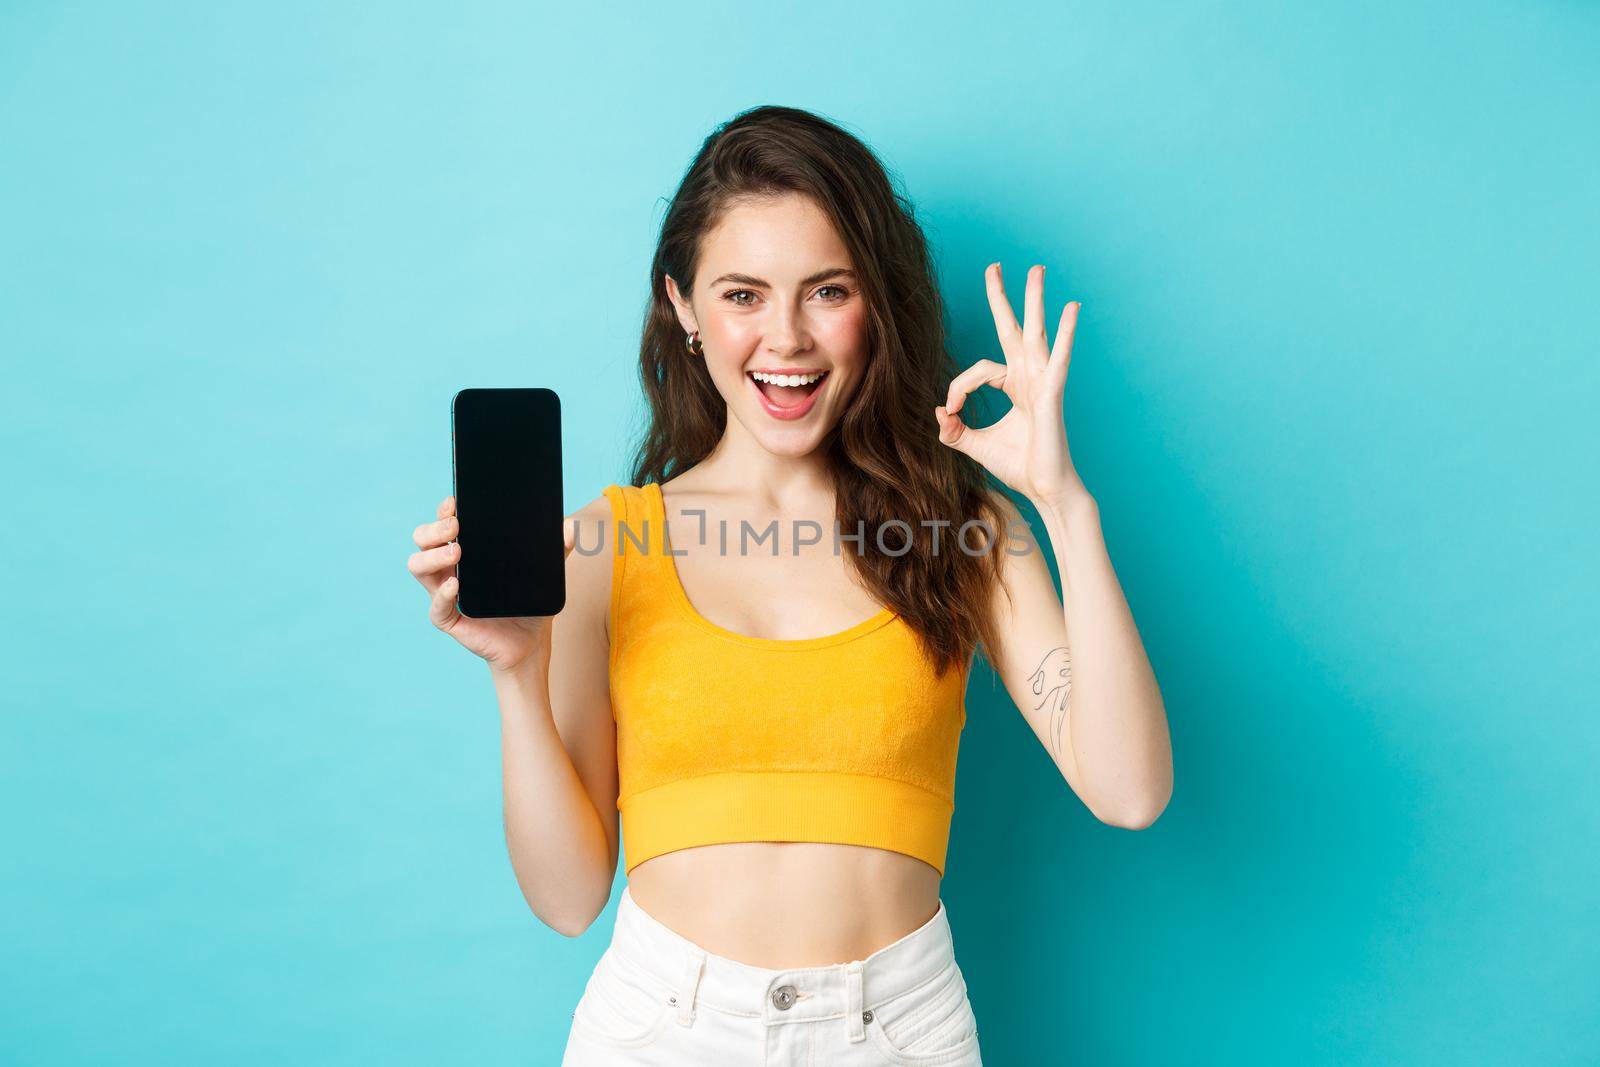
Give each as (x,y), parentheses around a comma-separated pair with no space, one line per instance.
(1068,502)
(533,670)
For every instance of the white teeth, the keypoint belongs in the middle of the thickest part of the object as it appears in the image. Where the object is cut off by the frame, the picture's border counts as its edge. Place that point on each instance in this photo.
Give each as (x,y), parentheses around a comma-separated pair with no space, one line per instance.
(787,379)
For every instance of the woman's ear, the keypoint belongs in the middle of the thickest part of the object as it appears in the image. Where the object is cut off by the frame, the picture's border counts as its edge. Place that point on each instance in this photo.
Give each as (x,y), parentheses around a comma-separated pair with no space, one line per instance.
(685,310)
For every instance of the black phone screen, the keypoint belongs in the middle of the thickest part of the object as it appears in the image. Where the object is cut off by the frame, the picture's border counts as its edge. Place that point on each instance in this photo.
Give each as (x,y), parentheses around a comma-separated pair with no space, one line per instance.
(506,445)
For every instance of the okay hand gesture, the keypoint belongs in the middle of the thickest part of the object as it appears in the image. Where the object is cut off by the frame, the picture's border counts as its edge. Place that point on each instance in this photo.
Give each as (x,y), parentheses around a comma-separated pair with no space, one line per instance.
(1027,448)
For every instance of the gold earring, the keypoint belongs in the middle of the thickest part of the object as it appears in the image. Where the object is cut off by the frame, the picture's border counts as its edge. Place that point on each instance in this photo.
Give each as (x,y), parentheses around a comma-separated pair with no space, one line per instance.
(695,345)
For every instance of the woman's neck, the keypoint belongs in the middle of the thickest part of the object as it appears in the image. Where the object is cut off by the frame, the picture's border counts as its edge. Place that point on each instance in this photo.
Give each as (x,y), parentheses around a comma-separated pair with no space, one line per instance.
(742,465)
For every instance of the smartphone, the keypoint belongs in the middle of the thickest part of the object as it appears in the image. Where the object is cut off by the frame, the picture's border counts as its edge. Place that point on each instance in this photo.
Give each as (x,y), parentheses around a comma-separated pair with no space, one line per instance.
(506,459)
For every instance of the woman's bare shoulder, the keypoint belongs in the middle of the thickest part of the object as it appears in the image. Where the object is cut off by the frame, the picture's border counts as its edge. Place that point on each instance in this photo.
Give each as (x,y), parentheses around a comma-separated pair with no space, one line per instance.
(597,509)
(589,565)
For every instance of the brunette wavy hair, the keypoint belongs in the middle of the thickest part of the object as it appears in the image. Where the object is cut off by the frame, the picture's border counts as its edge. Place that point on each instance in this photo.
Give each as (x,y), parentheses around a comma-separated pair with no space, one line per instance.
(884,453)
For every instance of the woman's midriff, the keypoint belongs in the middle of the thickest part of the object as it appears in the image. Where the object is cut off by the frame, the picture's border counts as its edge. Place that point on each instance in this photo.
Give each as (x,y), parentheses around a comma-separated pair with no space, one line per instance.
(781,904)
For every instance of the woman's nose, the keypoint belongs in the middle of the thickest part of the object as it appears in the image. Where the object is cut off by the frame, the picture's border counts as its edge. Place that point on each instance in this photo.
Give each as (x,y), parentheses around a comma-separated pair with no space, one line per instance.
(785,331)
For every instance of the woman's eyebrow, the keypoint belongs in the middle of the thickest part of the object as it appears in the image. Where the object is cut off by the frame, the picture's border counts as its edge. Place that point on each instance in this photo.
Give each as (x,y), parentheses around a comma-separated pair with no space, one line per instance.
(746,279)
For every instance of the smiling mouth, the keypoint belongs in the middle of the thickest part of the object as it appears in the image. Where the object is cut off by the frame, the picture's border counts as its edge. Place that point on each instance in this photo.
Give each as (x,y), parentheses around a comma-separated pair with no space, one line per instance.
(788,391)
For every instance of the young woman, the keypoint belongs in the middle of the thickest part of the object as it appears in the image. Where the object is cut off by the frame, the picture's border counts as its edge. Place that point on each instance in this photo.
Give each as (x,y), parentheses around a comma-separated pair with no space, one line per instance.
(764,654)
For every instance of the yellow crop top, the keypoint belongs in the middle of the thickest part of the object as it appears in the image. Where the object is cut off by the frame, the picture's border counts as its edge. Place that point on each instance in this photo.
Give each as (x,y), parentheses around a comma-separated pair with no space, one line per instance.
(848,738)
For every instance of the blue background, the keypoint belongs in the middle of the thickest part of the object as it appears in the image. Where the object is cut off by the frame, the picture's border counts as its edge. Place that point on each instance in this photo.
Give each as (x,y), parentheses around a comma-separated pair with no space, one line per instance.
(1334,387)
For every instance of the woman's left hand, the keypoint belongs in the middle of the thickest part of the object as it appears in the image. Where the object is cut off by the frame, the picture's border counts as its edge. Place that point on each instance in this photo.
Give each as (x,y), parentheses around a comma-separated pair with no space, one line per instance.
(1027,448)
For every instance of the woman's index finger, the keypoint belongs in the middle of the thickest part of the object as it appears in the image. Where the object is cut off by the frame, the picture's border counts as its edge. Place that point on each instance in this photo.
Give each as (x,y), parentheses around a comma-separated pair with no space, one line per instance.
(1005,318)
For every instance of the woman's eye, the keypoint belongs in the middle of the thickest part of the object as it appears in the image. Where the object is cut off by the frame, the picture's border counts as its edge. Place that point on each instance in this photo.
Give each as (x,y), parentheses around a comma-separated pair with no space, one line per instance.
(733,296)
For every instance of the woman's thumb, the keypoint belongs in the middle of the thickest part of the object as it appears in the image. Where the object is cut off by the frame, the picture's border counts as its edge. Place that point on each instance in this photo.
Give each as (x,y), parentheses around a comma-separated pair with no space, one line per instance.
(569,535)
(952,431)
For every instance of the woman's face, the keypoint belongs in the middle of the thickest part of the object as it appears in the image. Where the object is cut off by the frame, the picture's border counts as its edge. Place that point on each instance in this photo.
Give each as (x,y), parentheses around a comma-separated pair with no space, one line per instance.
(775,294)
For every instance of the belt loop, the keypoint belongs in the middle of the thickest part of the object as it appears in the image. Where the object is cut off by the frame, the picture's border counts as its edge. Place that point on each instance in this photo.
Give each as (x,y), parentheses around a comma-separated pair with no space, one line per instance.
(689,988)
(852,982)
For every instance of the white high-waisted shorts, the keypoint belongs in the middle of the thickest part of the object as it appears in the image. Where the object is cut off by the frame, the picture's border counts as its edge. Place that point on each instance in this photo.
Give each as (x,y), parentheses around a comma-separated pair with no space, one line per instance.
(657,998)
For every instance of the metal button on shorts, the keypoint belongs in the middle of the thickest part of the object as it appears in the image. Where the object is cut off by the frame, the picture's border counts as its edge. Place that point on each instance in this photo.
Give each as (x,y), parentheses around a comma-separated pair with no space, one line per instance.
(783,997)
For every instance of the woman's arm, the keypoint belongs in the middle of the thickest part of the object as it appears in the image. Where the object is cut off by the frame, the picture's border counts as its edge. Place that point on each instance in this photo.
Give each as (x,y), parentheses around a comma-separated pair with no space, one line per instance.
(558,743)
(1079,673)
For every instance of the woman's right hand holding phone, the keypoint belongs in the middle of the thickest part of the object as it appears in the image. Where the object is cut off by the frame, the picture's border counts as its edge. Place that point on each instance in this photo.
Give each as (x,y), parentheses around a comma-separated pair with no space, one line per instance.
(505,644)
